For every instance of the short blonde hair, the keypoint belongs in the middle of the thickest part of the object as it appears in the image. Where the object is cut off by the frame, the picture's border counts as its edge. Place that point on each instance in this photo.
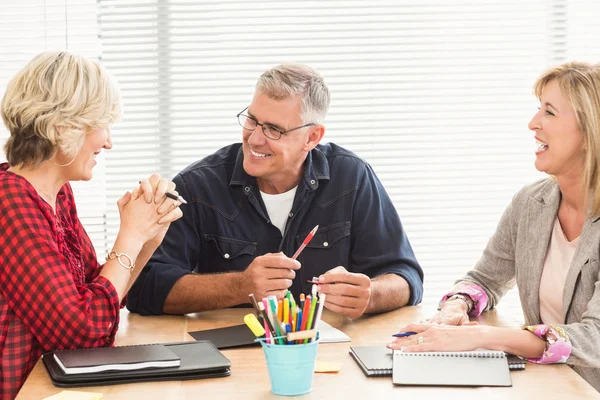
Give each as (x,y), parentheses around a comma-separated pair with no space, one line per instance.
(285,80)
(579,82)
(53,102)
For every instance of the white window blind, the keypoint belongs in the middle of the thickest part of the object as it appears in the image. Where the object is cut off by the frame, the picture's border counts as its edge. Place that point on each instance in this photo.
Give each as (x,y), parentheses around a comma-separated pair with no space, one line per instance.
(583,30)
(435,95)
(29,27)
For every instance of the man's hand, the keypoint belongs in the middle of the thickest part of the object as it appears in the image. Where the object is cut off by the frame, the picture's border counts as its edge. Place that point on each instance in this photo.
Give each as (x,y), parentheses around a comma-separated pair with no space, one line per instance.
(347,293)
(268,275)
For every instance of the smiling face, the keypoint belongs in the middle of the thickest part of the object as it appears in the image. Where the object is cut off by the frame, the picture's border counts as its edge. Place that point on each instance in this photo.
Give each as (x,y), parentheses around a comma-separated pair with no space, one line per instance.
(277,164)
(81,167)
(559,142)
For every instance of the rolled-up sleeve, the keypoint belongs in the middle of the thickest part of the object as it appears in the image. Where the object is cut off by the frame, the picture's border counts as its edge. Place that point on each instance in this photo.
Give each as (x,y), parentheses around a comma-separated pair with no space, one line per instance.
(379,243)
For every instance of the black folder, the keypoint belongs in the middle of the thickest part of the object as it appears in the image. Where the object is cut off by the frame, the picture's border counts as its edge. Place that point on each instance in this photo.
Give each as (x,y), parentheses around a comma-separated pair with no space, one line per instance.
(230,336)
(198,360)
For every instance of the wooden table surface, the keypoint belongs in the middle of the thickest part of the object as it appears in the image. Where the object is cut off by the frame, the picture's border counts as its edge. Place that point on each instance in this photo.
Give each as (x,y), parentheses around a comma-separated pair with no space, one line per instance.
(249,378)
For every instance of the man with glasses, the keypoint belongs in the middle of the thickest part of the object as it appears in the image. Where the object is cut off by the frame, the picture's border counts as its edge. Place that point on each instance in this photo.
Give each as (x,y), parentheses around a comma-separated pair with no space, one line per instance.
(252,204)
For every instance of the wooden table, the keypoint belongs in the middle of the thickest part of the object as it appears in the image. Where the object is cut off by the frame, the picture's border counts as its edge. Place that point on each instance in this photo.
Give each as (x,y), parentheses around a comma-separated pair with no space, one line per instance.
(249,378)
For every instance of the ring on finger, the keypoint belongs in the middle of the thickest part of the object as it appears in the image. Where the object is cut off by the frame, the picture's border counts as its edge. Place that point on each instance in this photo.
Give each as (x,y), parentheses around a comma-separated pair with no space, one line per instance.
(420,340)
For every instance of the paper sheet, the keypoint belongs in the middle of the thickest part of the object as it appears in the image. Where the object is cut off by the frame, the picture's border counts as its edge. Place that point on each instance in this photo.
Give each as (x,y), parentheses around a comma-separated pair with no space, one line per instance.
(329,334)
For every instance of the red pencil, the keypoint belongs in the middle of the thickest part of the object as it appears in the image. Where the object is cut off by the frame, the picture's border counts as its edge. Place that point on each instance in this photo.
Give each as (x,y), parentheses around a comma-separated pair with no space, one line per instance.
(306,241)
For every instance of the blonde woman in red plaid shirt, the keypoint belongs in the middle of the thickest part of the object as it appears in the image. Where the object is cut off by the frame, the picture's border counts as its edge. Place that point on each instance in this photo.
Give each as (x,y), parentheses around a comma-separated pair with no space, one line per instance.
(53,292)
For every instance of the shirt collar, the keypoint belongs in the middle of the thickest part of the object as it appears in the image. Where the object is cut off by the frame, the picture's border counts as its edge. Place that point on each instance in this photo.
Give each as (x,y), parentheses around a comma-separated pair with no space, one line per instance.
(316,168)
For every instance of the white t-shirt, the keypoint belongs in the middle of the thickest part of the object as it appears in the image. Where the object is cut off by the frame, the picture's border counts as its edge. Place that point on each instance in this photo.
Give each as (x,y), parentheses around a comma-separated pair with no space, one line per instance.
(556,266)
(279,206)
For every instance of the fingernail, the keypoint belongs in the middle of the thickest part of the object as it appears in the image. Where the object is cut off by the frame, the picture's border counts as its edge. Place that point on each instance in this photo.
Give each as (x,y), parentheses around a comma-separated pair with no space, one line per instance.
(402,348)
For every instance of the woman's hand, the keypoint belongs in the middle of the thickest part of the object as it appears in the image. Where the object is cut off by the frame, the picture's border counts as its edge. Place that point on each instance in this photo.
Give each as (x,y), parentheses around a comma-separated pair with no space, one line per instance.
(147,212)
(434,337)
(453,312)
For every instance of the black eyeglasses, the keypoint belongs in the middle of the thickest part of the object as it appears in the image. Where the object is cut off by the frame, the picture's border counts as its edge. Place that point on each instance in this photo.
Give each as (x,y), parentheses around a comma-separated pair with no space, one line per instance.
(249,123)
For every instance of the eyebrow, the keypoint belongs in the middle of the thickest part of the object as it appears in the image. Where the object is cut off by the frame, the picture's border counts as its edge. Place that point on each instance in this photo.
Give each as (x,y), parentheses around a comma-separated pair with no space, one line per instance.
(268,123)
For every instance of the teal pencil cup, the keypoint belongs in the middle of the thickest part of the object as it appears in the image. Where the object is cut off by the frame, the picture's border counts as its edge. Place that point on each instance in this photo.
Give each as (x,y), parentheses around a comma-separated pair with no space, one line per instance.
(291,368)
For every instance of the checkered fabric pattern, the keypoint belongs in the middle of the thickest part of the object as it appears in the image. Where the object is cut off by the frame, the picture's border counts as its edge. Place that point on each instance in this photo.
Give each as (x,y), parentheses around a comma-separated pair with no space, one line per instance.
(51,294)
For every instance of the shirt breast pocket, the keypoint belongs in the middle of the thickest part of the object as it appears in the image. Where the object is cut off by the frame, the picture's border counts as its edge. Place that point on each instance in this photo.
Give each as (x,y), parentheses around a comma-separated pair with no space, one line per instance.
(226,254)
(329,248)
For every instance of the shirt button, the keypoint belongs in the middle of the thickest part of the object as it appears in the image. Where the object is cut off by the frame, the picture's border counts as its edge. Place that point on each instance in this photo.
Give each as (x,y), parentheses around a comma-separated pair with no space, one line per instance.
(226,255)
(325,244)
(312,182)
(291,214)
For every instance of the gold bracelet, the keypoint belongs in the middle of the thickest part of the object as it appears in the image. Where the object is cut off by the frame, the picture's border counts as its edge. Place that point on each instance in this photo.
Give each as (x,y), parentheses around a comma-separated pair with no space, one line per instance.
(130,266)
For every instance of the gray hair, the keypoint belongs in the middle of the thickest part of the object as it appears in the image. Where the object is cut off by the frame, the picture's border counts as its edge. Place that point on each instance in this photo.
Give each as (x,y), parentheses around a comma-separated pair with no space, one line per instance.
(285,80)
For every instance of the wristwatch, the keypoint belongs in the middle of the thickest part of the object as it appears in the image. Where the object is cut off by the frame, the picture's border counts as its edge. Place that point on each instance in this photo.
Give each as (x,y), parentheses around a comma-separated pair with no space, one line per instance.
(461,296)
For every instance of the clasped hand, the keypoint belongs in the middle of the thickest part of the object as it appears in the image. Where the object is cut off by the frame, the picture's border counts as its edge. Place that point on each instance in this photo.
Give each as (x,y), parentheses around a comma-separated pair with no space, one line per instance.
(146,212)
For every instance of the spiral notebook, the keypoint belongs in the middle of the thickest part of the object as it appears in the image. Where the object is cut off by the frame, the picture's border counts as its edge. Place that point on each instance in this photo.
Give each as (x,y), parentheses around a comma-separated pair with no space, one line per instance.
(465,368)
(373,360)
(377,360)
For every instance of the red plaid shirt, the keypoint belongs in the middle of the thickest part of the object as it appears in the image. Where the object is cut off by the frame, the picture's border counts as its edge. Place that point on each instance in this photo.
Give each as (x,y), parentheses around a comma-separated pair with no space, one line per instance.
(51,294)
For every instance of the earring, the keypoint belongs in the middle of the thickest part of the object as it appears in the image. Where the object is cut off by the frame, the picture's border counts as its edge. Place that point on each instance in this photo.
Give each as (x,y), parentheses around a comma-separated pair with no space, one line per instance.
(67,164)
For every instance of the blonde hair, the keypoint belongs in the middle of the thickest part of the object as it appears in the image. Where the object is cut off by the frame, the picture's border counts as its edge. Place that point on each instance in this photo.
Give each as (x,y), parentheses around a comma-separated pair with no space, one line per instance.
(285,80)
(52,103)
(579,82)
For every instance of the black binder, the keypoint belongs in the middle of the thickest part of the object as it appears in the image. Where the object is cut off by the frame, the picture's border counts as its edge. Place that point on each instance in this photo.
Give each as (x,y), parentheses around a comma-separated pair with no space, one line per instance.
(198,360)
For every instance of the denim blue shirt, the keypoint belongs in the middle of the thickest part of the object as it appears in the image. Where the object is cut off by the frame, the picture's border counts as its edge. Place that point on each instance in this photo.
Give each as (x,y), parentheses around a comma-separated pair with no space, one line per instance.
(225,226)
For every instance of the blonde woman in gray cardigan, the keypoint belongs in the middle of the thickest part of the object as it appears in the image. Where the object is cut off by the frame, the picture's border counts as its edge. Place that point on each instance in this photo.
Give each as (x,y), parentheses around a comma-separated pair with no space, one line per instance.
(547,243)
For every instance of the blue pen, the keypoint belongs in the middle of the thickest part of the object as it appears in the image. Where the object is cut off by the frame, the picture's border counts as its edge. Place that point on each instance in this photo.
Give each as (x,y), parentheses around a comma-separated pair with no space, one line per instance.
(288,329)
(404,334)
